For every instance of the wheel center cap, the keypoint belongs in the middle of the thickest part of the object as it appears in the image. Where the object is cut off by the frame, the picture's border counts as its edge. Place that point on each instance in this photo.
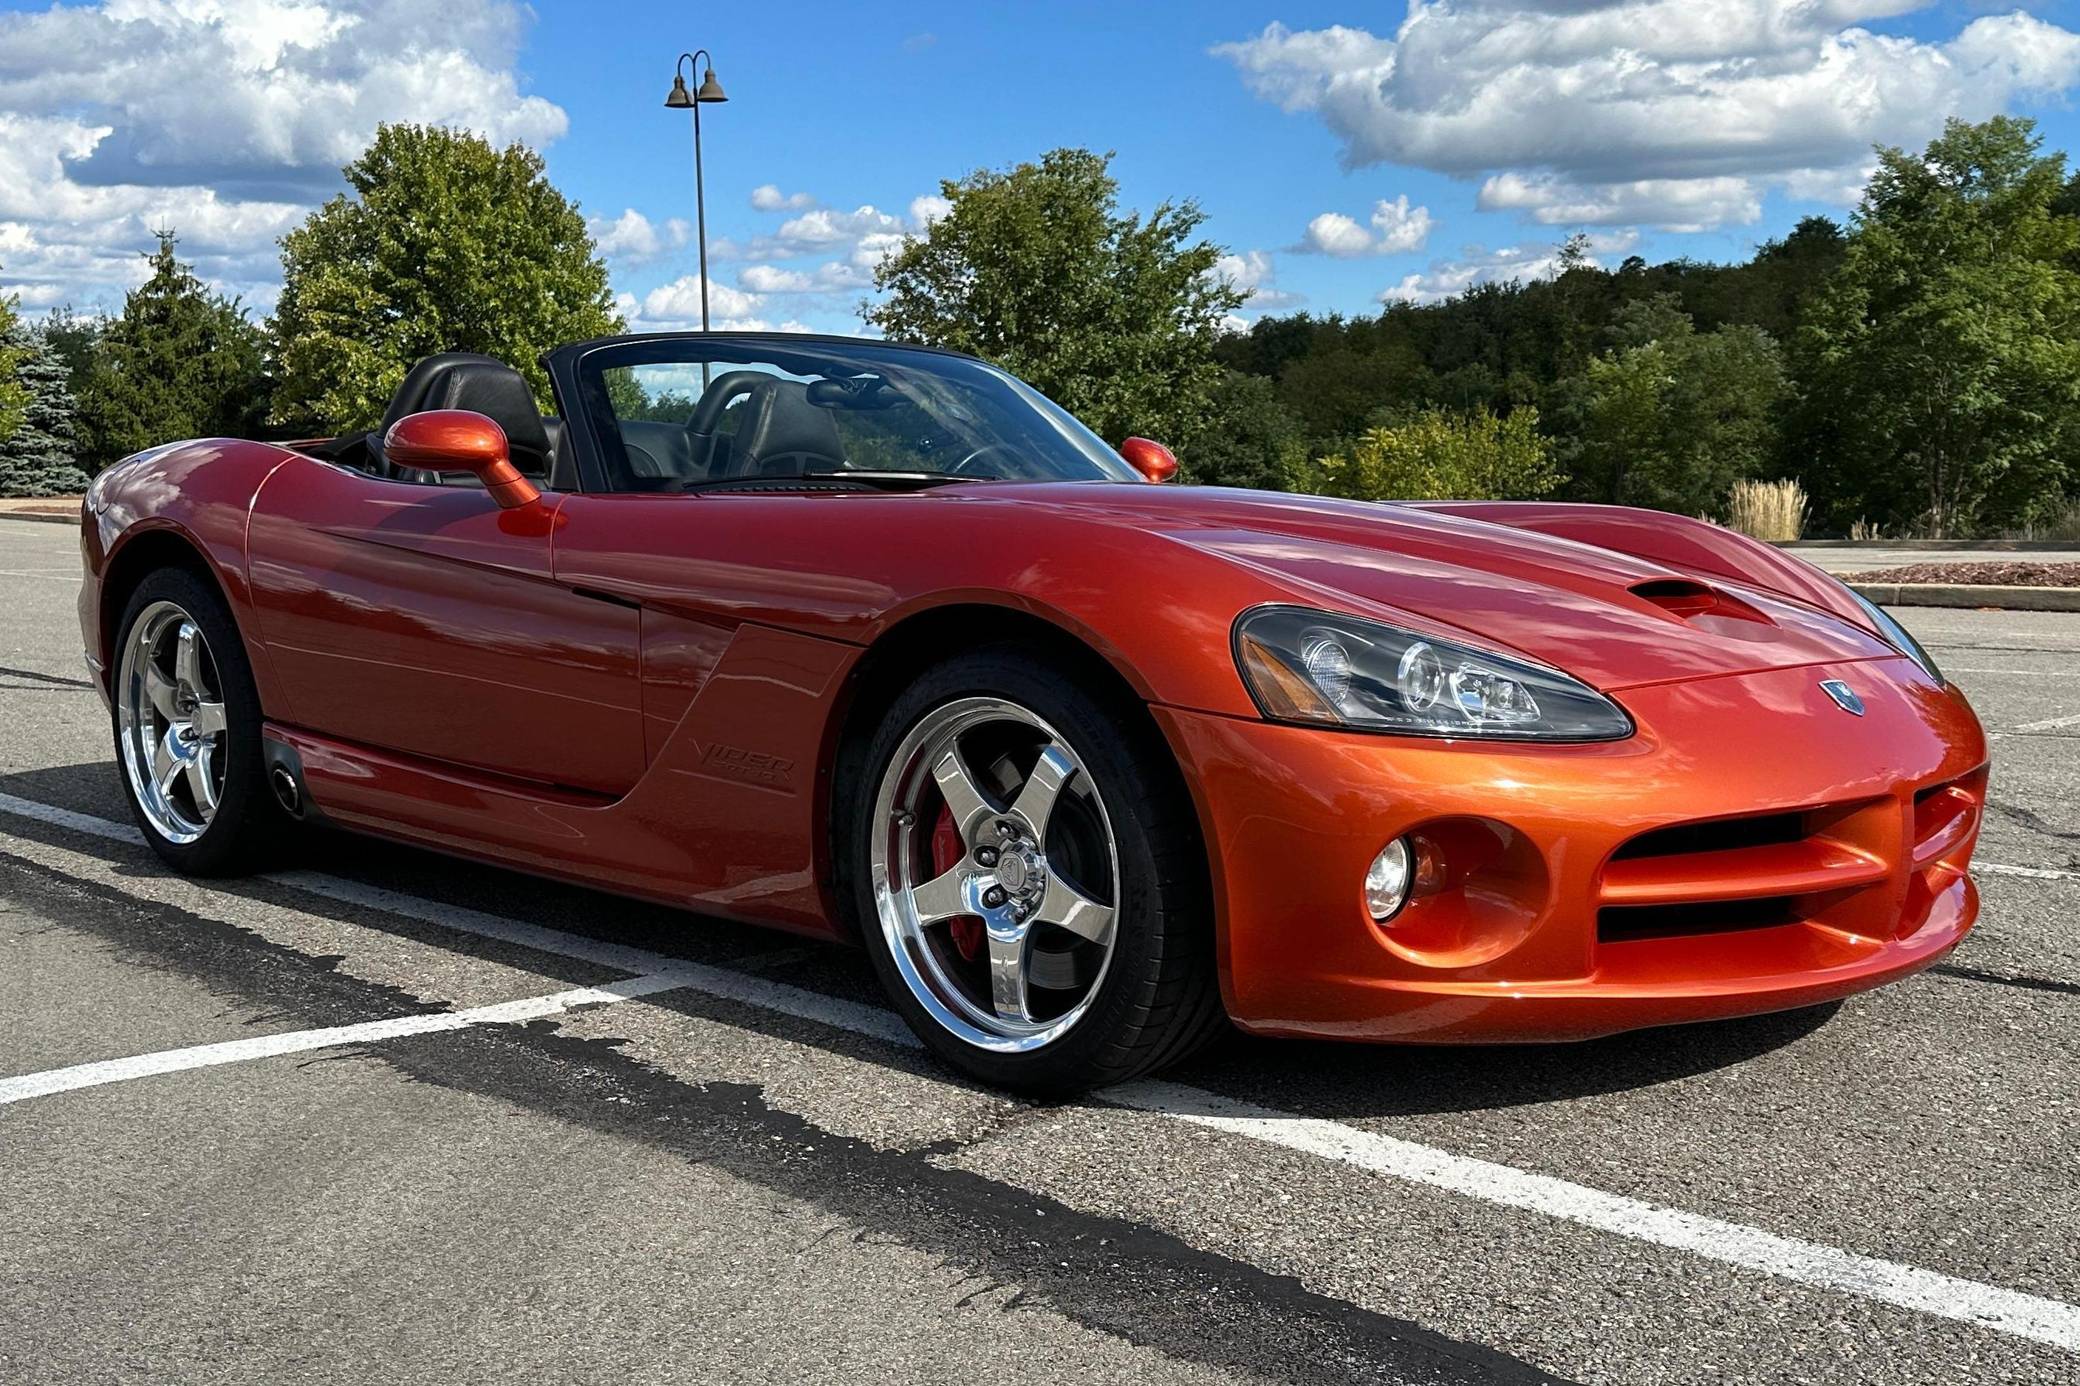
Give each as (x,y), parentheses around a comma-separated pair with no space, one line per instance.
(1011,870)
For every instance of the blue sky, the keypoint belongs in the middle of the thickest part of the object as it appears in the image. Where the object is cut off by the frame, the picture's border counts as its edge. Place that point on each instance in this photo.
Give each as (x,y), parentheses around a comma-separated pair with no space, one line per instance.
(1344,153)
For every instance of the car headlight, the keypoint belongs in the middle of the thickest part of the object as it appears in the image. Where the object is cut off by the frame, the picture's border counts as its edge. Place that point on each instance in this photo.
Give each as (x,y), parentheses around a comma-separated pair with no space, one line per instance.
(1325,669)
(1896,636)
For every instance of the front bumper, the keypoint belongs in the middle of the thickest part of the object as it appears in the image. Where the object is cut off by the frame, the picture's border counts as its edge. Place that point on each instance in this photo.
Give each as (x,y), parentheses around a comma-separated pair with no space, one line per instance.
(1797,854)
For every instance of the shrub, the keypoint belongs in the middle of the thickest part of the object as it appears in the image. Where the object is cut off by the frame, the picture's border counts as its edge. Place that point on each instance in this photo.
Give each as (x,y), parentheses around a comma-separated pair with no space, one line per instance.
(1440,455)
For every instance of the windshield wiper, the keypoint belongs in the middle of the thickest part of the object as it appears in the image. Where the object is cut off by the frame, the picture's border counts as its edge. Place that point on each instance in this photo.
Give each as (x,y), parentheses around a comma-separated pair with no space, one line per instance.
(891,480)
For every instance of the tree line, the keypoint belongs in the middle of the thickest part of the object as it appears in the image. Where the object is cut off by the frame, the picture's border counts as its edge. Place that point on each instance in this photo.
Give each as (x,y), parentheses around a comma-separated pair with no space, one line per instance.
(439,243)
(1916,369)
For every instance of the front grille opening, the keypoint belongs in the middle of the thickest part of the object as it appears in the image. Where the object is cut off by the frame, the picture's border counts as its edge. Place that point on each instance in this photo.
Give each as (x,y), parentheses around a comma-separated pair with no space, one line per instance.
(1722,835)
(1629,923)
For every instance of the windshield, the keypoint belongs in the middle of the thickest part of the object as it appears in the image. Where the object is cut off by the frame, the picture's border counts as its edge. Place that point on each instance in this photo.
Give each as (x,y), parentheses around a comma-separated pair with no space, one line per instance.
(673,414)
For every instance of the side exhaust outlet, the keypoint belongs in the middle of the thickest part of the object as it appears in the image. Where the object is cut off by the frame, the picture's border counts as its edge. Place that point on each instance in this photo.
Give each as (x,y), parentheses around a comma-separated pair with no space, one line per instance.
(288,792)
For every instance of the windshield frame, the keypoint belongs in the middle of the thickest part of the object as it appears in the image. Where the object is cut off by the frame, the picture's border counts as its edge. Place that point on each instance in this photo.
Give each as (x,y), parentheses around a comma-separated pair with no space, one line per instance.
(578,375)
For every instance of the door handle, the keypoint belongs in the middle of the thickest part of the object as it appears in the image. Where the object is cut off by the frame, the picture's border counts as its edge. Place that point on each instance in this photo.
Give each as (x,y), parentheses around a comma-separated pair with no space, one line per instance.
(611,598)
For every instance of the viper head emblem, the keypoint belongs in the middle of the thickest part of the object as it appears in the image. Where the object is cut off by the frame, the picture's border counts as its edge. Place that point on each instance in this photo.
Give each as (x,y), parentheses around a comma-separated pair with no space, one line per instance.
(1844,696)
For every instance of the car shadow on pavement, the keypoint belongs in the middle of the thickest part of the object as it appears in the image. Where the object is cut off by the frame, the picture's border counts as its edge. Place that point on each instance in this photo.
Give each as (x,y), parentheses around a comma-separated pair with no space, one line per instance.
(1331,1080)
(1309,1077)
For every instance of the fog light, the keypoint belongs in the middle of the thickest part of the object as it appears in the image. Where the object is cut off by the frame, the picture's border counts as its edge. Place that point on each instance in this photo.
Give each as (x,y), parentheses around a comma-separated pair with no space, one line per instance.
(1386,880)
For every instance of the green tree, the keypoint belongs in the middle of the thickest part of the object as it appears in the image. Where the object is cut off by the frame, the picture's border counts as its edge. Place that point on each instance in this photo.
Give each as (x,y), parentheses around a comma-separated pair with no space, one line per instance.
(36,458)
(1939,370)
(1113,316)
(76,339)
(1441,455)
(179,362)
(14,396)
(441,243)
(1673,417)
(1245,439)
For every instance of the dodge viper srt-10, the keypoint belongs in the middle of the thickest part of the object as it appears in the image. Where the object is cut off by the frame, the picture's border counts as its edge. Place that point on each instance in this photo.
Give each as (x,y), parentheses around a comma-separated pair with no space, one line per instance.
(876,642)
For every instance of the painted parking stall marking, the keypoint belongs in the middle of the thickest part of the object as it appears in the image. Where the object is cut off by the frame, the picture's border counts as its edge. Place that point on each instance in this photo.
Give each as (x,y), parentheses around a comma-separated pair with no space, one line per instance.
(2011,1312)
(299,1041)
(1788,1258)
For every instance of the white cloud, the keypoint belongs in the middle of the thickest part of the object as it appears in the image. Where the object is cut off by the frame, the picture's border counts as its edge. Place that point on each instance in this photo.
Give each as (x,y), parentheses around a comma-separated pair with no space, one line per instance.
(1679,113)
(633,238)
(224,120)
(1255,274)
(1333,233)
(1401,228)
(767,197)
(680,301)
(827,226)
(831,277)
(1477,265)
(1671,204)
(819,261)
(1397,228)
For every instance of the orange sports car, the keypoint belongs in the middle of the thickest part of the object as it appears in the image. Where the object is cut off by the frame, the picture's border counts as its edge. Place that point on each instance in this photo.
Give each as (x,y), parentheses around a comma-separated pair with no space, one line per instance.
(875,642)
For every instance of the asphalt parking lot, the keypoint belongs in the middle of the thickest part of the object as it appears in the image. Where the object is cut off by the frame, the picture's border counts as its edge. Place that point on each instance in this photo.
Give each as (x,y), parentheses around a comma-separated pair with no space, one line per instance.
(548,1134)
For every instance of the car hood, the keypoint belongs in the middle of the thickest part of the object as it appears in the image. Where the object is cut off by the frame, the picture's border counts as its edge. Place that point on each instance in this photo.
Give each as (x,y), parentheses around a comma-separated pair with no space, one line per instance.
(1609,618)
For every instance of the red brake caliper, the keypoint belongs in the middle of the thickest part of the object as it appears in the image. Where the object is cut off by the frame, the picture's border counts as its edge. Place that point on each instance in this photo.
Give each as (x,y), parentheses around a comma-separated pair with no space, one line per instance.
(947,851)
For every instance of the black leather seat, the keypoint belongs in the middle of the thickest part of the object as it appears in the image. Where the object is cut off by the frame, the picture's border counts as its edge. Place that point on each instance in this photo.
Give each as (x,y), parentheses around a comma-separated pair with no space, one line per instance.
(464,380)
(783,434)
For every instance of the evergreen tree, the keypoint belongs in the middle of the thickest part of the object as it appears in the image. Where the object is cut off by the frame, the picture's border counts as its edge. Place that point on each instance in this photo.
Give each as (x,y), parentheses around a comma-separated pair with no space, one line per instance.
(179,362)
(36,459)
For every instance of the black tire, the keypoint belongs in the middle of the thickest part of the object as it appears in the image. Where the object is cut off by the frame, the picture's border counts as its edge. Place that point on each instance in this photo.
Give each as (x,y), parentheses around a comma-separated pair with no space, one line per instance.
(1158,998)
(247,826)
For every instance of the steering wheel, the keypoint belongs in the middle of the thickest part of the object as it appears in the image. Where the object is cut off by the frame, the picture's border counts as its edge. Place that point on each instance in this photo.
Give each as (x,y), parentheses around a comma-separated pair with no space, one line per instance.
(961,467)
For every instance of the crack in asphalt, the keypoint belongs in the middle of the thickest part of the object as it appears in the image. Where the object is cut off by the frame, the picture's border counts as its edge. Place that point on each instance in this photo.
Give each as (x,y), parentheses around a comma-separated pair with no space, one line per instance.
(8,673)
(1973,974)
(1127,1279)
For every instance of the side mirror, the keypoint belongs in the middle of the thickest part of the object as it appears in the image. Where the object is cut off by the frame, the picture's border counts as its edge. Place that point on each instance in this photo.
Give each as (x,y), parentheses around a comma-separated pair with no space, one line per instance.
(1149,458)
(460,440)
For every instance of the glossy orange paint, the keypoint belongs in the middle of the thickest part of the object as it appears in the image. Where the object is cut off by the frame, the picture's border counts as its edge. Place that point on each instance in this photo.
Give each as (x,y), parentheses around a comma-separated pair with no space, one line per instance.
(645,692)
(451,440)
(1149,458)
(1512,949)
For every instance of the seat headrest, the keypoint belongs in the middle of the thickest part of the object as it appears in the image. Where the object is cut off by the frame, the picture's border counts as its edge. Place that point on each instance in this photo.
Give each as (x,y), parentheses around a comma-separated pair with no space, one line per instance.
(785,432)
(464,380)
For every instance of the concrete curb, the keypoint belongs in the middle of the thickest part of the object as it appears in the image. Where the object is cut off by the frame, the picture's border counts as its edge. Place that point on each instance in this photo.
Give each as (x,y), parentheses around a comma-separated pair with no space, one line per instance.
(1961,594)
(1936,545)
(41,517)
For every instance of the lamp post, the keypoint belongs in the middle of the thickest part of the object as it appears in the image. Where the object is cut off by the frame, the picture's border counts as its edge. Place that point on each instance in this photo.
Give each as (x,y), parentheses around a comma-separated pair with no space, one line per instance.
(682,99)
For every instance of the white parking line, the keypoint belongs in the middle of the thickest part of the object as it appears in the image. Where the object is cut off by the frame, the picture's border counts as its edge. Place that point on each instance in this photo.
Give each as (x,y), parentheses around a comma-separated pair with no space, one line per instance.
(2033,873)
(1788,1258)
(2050,723)
(297,1041)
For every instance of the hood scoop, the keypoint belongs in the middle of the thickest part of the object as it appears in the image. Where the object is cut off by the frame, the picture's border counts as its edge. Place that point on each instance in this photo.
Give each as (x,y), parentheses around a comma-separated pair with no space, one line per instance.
(1687,599)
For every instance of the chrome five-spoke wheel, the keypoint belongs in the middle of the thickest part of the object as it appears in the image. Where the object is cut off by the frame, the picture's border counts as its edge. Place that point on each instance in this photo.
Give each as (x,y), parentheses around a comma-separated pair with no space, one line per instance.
(171,722)
(995,874)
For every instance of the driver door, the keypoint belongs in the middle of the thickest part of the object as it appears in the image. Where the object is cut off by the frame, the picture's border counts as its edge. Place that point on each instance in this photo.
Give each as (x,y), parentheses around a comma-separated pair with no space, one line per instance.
(425,620)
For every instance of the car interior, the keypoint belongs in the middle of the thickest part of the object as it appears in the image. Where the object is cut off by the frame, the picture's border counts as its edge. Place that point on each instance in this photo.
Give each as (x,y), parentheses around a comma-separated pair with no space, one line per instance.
(747,424)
